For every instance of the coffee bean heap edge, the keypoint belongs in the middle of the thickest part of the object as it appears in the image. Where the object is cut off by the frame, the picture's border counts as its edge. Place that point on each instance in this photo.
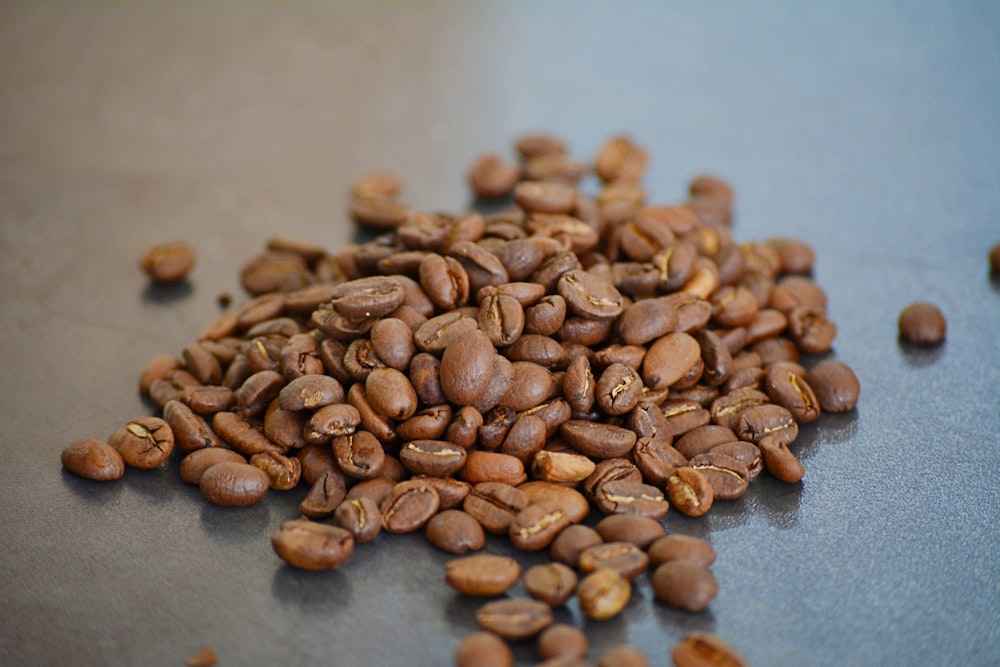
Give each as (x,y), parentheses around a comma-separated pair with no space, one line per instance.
(507,373)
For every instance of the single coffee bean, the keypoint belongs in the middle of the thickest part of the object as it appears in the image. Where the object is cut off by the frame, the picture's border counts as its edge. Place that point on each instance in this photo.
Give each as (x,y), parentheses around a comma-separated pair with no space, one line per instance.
(501,317)
(492,176)
(702,439)
(360,517)
(372,296)
(638,530)
(324,496)
(156,368)
(835,385)
(317,460)
(779,460)
(513,619)
(240,434)
(726,409)
(811,330)
(625,558)
(571,542)
(728,477)
(310,545)
(409,506)
(619,389)
(359,455)
(482,266)
(455,532)
(684,415)
(623,656)
(483,575)
(234,484)
(330,421)
(378,425)
(673,547)
(377,489)
(197,462)
(534,527)
(622,497)
(701,649)
(603,594)
(545,196)
(599,440)
(483,649)
(616,469)
(766,420)
(566,497)
(310,392)
(452,492)
(690,492)
(283,471)
(561,640)
(590,296)
(144,442)
(561,467)
(494,505)
(656,460)
(745,452)
(648,421)
(552,583)
(466,368)
(191,431)
(445,281)
(685,585)
(437,458)
(483,466)
(208,400)
(93,459)
(168,263)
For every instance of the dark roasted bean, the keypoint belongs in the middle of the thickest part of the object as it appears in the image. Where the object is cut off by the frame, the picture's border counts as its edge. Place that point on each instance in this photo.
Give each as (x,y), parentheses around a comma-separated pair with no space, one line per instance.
(922,323)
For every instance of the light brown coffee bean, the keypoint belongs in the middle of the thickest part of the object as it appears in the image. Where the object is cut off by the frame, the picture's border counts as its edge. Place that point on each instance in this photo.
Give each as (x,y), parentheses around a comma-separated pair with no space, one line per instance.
(309,392)
(534,527)
(483,649)
(283,471)
(623,656)
(656,460)
(93,459)
(409,506)
(779,460)
(436,458)
(728,477)
(625,558)
(483,466)
(638,530)
(144,442)
(514,619)
(621,497)
(455,532)
(569,499)
(702,439)
(483,575)
(168,262)
(690,492)
(552,583)
(590,296)
(761,421)
(701,649)
(197,462)
(492,176)
(676,546)
(466,368)
(234,484)
(561,467)
(494,505)
(685,585)
(360,517)
(562,640)
(603,594)
(310,545)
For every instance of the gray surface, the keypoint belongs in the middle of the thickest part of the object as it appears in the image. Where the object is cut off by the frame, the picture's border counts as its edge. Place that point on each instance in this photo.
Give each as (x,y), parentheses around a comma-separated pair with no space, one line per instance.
(871,130)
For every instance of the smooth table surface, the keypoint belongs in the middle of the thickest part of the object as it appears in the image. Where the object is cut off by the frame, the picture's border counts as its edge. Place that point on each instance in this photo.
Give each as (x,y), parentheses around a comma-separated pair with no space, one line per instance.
(869,129)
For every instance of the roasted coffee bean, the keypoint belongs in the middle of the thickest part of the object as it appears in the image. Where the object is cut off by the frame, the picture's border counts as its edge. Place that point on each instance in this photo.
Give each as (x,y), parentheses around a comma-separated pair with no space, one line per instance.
(317,460)
(484,575)
(673,547)
(684,584)
(324,496)
(545,317)
(409,506)
(253,397)
(647,421)
(638,530)
(728,477)
(620,159)
(760,421)
(378,425)
(360,517)
(310,392)
(274,272)
(300,356)
(445,281)
(590,296)
(283,428)
(390,394)
(455,532)
(483,466)
(427,424)
(701,649)
(501,318)
(191,431)
(513,619)
(922,323)
(619,389)
(603,594)
(525,438)
(371,296)
(310,545)
(791,391)
(94,459)
(726,409)
(464,428)
(774,349)
(197,462)
(436,458)
(623,656)
(995,259)
(598,440)
(669,358)
(554,413)
(835,385)
(617,469)
(359,455)
(579,385)
(656,460)
(623,497)
(561,640)
(767,323)
(745,452)
(330,421)
(283,471)
(684,415)
(377,489)
(571,542)
(779,460)
(466,368)
(144,442)
(207,400)
(625,558)
(483,649)
(256,317)
(492,176)
(531,385)
(534,527)
(170,386)
(544,351)
(646,320)
(156,368)
(690,492)
(168,263)
(702,439)
(811,330)
(234,484)
(482,266)
(494,505)
(561,467)
(572,502)
(545,196)
(552,583)
(438,332)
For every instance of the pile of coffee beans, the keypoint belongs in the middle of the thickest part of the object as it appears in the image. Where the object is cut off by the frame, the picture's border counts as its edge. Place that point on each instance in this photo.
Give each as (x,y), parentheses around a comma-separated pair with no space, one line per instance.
(561,372)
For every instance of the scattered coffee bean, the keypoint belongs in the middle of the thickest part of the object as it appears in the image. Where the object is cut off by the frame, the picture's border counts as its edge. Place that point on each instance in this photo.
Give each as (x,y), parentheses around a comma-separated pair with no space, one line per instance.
(603,594)
(673,547)
(144,442)
(561,640)
(455,532)
(168,263)
(836,386)
(483,649)
(483,575)
(93,459)
(513,619)
(552,583)
(234,484)
(684,584)
(701,649)
(922,323)
(310,545)
(623,656)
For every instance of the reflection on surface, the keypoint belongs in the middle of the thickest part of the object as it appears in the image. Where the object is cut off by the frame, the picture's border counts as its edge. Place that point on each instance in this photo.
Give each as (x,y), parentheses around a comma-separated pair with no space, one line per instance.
(920,356)
(236,524)
(313,592)
(165,294)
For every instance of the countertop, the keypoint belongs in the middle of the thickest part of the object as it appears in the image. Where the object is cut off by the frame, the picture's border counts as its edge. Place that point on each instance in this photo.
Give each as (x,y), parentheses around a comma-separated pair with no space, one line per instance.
(871,130)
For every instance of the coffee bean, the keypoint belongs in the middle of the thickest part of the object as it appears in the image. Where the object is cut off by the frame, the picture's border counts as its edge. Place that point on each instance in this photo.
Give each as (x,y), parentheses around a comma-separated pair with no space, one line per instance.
(690,492)
(835,385)
(197,462)
(623,656)
(93,459)
(638,530)
(234,484)
(656,460)
(156,368)
(603,594)
(675,546)
(552,583)
(922,323)
(685,585)
(702,439)
(617,469)
(599,440)
(494,505)
(561,640)
(779,460)
(409,506)
(483,466)
(483,575)
(625,558)
(561,467)
(240,434)
(571,542)
(746,453)
(766,420)
(701,649)
(144,442)
(513,619)
(310,392)
(466,368)
(622,497)
(620,158)
(534,527)
(359,455)
(812,331)
(437,458)
(571,501)
(455,532)
(492,176)
(168,263)
(483,649)
(284,471)
(619,389)
(310,545)
(545,196)
(324,496)
(590,296)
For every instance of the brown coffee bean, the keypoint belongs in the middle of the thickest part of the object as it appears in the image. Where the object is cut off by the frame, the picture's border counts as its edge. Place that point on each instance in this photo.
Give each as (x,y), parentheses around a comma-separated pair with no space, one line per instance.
(482,266)
(492,176)
(702,439)
(685,585)
(240,434)
(590,296)
(545,196)
(623,656)
(726,409)
(534,527)
(596,439)
(745,452)
(283,471)
(542,350)
(483,649)
(617,469)
(561,640)
(437,458)
(552,583)
(673,547)
(625,558)
(620,158)
(572,502)
(234,484)
(310,545)
(622,497)
(995,259)
(619,389)
(197,462)
(514,619)
(483,466)
(647,421)
(728,477)
(603,594)
(701,649)
(207,400)
(791,391)
(545,317)
(763,420)
(324,496)
(646,320)
(501,318)
(156,368)
(466,368)
(779,460)
(455,532)
(359,455)
(483,575)
(445,281)
(372,296)
(684,415)
(561,467)
(669,358)
(835,385)
(93,459)
(360,517)
(144,442)
(922,323)
(571,542)
(656,460)
(409,506)
(690,492)
(638,530)
(330,421)
(309,392)
(494,505)
(168,263)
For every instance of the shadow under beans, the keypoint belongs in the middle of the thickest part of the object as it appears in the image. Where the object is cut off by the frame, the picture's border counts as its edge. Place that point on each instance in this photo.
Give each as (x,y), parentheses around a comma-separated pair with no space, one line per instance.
(920,356)
(236,524)
(994,280)
(166,293)
(683,621)
(313,592)
(89,491)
